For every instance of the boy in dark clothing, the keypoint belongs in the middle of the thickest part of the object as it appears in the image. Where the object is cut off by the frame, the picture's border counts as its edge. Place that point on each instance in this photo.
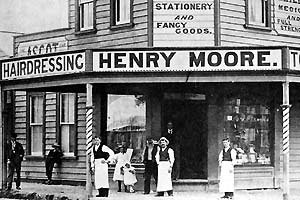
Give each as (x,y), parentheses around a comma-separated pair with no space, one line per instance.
(54,156)
(15,154)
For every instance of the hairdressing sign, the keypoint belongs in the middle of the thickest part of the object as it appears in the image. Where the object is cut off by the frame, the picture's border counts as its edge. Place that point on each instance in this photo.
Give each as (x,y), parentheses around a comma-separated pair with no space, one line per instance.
(287,17)
(185,60)
(43,66)
(184,23)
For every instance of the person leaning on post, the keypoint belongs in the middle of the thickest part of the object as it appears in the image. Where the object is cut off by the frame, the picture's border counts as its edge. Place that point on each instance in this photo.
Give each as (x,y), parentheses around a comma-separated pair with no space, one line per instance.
(54,156)
(100,158)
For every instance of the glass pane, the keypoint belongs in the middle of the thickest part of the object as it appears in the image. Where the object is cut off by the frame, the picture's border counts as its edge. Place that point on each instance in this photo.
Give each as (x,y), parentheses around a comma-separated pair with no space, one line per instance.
(67,138)
(36,109)
(122,11)
(126,122)
(67,108)
(255,10)
(86,15)
(36,140)
(247,125)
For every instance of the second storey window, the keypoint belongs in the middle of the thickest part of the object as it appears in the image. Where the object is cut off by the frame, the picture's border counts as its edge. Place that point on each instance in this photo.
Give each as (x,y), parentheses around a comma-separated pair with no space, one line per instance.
(258,13)
(122,12)
(67,123)
(36,124)
(86,14)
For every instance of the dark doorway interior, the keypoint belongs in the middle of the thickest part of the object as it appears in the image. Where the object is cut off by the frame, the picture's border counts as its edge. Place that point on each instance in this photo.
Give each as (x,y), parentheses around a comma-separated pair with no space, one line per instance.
(189,118)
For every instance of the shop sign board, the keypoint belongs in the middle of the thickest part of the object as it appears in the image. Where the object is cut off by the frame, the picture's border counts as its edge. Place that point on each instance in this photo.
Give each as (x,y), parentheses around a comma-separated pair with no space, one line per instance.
(185,60)
(186,23)
(287,17)
(294,60)
(37,47)
(43,66)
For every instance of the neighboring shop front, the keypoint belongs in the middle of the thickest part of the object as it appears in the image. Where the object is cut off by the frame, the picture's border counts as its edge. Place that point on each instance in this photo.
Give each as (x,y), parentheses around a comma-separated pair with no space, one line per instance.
(208,94)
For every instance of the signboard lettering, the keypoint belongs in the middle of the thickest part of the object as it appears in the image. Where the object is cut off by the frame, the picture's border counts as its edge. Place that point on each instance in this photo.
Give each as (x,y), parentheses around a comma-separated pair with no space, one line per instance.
(36,67)
(206,60)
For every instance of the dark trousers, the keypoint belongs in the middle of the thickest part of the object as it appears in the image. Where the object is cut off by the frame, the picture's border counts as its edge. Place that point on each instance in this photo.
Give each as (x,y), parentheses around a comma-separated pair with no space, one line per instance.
(229,194)
(12,168)
(103,192)
(49,169)
(150,170)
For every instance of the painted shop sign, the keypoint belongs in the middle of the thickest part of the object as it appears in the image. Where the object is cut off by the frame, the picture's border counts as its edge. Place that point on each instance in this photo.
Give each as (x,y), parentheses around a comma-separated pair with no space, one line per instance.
(184,60)
(185,23)
(43,66)
(287,17)
(37,47)
(294,60)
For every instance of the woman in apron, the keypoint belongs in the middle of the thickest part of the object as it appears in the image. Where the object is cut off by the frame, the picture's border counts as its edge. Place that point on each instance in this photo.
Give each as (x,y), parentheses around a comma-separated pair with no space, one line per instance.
(100,158)
(227,159)
(165,160)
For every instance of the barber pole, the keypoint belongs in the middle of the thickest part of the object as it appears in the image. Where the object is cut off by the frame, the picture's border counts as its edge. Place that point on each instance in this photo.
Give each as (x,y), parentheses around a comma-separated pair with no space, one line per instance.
(89,129)
(286,139)
(89,138)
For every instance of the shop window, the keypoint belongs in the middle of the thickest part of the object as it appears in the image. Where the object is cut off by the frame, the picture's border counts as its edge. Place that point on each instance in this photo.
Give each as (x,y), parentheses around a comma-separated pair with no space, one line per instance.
(36,124)
(247,124)
(126,121)
(258,14)
(67,123)
(86,15)
(121,13)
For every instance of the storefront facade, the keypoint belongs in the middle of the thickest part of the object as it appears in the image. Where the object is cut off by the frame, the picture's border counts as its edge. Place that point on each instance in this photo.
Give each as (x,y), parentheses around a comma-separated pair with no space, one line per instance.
(143,75)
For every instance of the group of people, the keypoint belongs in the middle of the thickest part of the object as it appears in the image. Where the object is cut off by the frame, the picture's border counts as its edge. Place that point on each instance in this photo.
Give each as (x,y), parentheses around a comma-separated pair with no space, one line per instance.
(158,159)
(15,155)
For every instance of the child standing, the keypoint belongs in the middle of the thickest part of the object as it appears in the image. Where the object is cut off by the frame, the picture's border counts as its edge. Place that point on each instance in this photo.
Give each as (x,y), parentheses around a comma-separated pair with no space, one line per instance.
(129,177)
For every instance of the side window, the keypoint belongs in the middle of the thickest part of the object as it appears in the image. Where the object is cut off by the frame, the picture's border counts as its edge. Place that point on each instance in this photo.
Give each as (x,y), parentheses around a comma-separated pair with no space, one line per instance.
(67,123)
(258,14)
(85,15)
(121,12)
(36,124)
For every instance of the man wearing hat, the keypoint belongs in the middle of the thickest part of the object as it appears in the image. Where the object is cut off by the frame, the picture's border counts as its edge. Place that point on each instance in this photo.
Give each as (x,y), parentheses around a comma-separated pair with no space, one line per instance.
(121,159)
(15,154)
(150,164)
(165,160)
(54,156)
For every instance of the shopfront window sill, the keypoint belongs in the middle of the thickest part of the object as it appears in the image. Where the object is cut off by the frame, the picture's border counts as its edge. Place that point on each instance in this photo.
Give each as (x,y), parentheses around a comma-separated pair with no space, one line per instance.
(34,158)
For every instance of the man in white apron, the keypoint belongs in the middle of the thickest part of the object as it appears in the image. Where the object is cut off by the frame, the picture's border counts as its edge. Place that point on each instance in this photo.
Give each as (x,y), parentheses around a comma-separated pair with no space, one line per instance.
(100,158)
(165,160)
(227,159)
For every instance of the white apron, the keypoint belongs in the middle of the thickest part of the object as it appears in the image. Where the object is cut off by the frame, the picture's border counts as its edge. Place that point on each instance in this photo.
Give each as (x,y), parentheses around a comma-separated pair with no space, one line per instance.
(226,177)
(122,159)
(164,180)
(101,174)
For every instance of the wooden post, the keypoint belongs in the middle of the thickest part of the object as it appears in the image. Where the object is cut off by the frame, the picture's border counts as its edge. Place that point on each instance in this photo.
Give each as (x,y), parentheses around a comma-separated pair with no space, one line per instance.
(2,143)
(89,137)
(285,140)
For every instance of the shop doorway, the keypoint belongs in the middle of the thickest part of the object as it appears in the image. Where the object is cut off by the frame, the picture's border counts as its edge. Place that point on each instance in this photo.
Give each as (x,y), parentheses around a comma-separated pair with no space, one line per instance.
(189,119)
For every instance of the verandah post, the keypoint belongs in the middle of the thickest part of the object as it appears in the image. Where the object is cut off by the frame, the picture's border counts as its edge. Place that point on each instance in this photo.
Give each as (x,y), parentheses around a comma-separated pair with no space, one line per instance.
(89,137)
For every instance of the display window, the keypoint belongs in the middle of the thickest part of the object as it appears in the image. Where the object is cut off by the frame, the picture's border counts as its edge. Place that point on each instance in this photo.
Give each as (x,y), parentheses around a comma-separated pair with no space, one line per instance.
(126,122)
(247,124)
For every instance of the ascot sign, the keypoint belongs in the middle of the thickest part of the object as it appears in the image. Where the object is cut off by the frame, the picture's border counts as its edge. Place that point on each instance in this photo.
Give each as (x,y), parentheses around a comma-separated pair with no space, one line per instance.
(184,60)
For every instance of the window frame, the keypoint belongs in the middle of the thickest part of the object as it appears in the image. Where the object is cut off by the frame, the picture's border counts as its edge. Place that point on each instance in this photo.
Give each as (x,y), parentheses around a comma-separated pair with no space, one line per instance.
(113,23)
(78,18)
(267,26)
(29,124)
(68,155)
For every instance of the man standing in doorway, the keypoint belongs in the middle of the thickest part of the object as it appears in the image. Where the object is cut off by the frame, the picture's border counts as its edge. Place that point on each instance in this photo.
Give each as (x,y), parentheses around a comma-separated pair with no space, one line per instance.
(150,164)
(15,154)
(174,137)
(227,159)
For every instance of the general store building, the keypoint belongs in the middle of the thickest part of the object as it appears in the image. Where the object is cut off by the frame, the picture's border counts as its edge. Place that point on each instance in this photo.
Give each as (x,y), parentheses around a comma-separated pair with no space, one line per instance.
(215,68)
